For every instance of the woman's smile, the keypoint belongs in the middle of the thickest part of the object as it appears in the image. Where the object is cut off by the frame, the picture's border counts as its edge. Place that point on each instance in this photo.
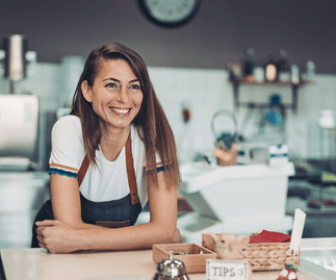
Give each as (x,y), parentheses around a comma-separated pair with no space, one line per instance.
(121,111)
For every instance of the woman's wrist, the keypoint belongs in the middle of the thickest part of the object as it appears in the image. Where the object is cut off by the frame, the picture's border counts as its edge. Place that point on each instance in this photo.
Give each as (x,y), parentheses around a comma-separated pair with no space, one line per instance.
(79,240)
(85,237)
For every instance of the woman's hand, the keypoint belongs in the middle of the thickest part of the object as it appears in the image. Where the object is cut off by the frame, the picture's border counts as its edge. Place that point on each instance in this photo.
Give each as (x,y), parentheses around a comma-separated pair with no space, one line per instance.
(56,236)
(177,237)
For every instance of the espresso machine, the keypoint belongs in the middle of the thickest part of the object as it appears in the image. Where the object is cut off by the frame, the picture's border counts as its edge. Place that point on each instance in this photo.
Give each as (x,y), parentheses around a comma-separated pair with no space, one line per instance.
(18,112)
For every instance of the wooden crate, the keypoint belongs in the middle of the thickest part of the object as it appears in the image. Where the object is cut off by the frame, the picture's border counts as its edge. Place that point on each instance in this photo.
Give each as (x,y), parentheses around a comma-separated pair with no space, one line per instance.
(194,262)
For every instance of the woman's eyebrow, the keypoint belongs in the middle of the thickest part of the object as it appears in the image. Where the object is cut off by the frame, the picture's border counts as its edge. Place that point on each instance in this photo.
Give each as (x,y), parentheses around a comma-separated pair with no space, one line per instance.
(113,79)
(116,80)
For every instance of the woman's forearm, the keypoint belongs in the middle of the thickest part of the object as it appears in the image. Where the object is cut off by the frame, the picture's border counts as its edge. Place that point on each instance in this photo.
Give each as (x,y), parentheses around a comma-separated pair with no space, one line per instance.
(59,237)
(135,237)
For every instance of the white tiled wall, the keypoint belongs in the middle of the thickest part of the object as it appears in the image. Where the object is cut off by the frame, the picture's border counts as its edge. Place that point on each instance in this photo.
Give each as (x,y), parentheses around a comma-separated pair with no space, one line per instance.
(205,91)
(208,90)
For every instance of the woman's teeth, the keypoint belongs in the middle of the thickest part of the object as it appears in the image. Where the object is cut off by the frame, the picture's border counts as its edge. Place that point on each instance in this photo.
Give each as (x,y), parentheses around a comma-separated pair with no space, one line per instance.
(121,111)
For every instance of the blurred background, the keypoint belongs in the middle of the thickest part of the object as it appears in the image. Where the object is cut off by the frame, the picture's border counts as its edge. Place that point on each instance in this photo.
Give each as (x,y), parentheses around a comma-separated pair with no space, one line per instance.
(270,65)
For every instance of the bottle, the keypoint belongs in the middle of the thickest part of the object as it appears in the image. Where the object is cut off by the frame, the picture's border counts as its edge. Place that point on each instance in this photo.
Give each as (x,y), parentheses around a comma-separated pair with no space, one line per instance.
(310,70)
(271,73)
(249,64)
(235,70)
(259,74)
(295,74)
(283,67)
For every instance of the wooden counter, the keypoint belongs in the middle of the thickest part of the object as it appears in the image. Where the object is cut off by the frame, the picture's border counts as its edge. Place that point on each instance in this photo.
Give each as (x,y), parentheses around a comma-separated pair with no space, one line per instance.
(127,265)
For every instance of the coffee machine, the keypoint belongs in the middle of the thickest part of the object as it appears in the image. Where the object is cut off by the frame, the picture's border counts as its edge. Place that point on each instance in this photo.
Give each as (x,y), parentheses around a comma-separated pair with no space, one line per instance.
(18,112)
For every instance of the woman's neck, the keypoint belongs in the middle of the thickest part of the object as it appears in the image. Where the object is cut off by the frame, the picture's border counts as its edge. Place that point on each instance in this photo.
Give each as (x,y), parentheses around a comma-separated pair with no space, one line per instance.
(113,141)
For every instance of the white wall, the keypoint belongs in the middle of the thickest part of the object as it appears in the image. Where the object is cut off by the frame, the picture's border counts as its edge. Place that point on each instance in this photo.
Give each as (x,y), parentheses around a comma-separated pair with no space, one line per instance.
(206,91)
(209,90)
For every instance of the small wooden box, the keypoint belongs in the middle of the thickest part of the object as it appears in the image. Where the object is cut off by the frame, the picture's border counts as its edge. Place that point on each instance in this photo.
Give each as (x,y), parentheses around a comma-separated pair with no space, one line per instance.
(194,262)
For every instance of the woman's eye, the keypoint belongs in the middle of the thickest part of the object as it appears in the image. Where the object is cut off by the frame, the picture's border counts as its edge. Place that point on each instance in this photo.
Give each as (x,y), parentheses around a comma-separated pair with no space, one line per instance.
(111,85)
(134,87)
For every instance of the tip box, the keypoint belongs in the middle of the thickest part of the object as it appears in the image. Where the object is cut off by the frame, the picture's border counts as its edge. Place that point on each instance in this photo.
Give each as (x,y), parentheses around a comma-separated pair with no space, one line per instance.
(194,261)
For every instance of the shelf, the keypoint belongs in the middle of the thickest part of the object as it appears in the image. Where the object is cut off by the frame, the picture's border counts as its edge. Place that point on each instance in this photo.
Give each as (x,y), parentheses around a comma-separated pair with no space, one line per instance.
(244,81)
(276,83)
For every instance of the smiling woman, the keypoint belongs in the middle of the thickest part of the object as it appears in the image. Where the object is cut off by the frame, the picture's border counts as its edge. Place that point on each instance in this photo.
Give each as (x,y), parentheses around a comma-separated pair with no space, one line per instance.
(116,95)
(111,155)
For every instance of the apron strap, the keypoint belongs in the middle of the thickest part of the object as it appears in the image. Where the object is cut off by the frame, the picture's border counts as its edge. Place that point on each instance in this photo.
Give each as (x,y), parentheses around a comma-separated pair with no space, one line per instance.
(82,170)
(129,167)
(130,172)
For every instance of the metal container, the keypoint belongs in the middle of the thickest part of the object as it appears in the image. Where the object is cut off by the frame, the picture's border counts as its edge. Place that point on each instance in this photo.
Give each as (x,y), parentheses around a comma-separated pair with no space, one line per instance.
(15,63)
(170,269)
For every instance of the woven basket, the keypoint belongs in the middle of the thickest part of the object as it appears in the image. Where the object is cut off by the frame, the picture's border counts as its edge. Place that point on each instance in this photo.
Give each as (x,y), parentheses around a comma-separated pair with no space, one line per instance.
(269,256)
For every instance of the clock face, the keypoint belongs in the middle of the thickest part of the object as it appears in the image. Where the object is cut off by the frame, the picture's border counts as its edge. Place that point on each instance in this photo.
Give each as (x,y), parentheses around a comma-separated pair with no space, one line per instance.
(170,13)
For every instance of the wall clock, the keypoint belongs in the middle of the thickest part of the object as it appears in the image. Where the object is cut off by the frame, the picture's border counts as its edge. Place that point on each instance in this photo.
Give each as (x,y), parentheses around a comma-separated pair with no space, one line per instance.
(169,13)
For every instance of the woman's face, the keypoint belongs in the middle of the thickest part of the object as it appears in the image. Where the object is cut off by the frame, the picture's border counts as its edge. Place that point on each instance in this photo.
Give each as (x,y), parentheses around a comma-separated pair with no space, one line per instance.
(116,94)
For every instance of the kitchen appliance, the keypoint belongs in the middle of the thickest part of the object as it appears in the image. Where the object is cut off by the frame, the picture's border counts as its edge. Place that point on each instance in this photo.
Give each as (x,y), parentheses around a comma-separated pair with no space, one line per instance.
(256,152)
(238,199)
(18,131)
(16,63)
(23,186)
(18,112)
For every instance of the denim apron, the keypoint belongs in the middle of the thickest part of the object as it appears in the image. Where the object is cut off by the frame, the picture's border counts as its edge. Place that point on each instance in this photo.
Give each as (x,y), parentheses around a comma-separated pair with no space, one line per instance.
(112,214)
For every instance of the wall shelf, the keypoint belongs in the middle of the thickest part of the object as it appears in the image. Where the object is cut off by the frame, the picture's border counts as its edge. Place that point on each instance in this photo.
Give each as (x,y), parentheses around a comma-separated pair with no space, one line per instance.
(243,81)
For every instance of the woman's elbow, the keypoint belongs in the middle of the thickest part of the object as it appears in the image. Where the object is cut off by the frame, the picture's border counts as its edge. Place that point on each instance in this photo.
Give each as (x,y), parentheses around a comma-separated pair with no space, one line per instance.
(168,234)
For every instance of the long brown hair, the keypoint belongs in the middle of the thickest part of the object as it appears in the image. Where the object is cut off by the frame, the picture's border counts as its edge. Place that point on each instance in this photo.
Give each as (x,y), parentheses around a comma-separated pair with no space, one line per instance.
(151,121)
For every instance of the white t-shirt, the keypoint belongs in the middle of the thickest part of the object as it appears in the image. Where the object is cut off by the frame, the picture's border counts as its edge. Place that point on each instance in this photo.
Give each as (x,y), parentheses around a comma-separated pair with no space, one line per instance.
(108,180)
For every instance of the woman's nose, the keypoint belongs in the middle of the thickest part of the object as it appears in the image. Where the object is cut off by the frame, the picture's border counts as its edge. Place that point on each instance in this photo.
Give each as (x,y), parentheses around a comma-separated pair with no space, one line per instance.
(123,95)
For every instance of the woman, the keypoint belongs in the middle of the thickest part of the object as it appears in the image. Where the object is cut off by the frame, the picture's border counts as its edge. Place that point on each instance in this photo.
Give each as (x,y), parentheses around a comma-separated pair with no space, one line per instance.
(118,149)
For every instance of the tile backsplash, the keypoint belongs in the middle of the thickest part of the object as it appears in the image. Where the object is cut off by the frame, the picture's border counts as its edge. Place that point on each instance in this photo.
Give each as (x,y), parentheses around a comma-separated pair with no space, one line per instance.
(205,91)
(208,90)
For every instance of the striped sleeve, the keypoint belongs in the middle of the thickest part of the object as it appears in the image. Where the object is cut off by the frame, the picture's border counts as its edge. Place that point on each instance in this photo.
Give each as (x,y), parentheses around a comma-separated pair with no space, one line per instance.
(63,170)
(67,151)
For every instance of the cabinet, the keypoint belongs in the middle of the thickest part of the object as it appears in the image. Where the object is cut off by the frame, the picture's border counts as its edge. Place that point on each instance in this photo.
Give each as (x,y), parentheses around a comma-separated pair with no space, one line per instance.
(21,196)
(242,81)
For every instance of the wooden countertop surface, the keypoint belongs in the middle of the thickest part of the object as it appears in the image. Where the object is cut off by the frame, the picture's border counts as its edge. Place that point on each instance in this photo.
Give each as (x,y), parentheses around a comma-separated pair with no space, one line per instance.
(124,265)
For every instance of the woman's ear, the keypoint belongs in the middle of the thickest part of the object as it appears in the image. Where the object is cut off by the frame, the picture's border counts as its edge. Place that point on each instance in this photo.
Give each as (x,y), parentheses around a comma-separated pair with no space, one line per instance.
(86,90)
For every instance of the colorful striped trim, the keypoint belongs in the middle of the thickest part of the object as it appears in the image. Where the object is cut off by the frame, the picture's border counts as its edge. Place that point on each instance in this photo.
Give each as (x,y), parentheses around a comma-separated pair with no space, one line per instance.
(64,167)
(63,172)
(158,169)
